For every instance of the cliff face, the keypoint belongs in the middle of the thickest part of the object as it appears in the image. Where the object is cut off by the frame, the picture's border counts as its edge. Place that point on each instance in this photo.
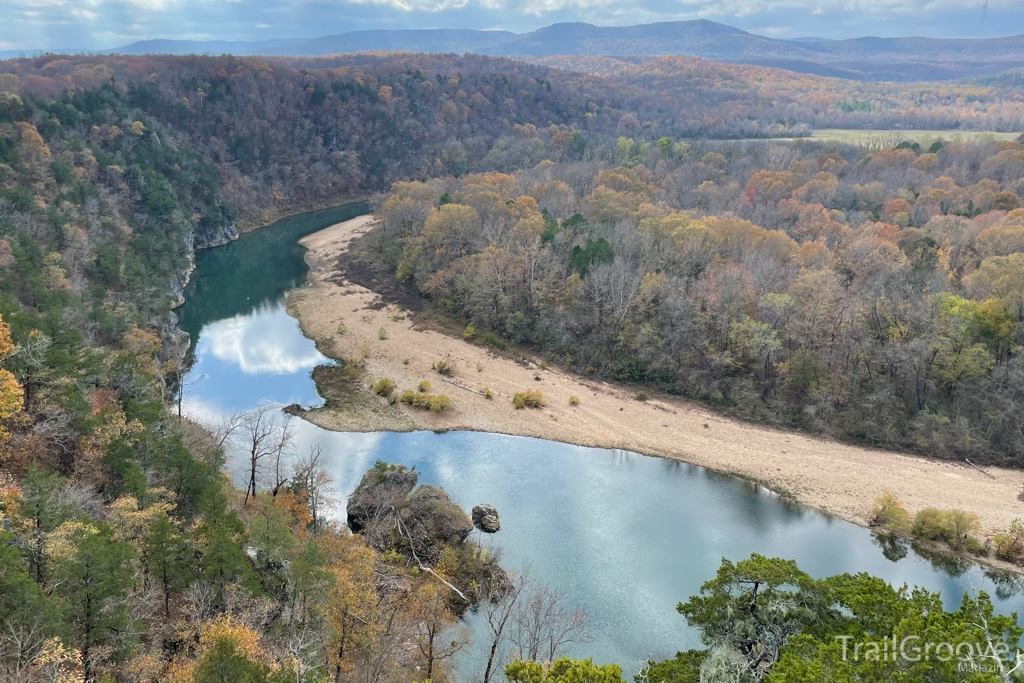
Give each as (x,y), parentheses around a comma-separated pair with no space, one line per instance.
(215,236)
(202,238)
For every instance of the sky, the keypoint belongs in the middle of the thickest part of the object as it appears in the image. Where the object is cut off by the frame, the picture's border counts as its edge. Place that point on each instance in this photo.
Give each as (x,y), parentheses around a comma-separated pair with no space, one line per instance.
(104,24)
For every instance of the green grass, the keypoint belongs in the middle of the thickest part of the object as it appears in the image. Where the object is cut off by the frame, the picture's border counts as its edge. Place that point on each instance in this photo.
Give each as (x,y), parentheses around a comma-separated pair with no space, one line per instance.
(877,138)
(857,137)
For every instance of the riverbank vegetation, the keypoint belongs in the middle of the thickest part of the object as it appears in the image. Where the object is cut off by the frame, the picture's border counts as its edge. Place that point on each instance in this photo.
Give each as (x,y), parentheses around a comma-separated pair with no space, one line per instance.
(869,295)
(955,530)
(763,619)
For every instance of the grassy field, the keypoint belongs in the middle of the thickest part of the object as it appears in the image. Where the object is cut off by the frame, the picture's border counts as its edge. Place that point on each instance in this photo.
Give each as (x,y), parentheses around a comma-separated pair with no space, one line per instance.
(889,137)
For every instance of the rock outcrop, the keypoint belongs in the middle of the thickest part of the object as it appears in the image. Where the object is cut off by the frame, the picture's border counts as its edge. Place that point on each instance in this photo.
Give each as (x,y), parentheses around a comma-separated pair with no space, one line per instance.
(430,521)
(485,518)
(215,235)
(376,498)
(393,516)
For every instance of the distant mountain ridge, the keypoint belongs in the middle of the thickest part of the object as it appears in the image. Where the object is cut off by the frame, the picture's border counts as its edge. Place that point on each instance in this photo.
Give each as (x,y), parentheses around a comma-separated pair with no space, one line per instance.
(868,58)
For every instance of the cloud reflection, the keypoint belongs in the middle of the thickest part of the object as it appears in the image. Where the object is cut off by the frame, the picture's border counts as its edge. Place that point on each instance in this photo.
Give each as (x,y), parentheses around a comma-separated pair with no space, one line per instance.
(267,341)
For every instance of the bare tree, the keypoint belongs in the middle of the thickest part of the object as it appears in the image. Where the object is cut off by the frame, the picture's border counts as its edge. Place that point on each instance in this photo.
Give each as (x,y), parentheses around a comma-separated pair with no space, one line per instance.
(178,369)
(19,645)
(437,635)
(542,624)
(281,456)
(310,476)
(265,439)
(499,606)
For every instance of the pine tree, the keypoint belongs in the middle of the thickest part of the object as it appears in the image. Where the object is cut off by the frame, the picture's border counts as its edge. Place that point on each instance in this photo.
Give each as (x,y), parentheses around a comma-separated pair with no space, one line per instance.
(167,555)
(96,581)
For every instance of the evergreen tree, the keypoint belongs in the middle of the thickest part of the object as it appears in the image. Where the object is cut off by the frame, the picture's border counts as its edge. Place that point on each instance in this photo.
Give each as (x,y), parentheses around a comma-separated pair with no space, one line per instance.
(29,614)
(96,581)
(167,559)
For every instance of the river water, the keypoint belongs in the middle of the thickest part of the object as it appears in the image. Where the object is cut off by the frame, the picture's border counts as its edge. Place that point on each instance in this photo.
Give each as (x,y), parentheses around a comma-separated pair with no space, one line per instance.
(624,536)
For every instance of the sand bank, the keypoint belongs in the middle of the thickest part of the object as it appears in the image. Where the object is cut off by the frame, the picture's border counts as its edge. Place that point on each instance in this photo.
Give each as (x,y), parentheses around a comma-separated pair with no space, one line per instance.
(840,479)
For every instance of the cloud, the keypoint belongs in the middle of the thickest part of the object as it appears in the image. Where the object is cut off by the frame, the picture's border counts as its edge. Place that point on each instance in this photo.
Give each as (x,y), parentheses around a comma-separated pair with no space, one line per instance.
(267,341)
(417,5)
(104,24)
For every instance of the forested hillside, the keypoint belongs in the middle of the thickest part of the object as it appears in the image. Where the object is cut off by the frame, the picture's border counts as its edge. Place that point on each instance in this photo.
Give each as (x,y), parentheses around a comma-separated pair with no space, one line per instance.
(126,554)
(288,136)
(716,97)
(875,296)
(301,132)
(873,59)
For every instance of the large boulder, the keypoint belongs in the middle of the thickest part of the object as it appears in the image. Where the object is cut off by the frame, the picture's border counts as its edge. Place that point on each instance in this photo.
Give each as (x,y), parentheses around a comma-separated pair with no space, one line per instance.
(378,495)
(430,520)
(386,508)
(485,518)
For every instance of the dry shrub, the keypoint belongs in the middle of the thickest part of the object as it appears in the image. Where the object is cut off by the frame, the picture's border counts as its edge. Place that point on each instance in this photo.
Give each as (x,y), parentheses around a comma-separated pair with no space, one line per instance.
(531,398)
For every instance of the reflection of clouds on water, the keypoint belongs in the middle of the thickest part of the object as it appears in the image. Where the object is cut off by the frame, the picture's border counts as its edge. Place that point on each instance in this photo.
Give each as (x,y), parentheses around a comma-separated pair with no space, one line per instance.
(267,341)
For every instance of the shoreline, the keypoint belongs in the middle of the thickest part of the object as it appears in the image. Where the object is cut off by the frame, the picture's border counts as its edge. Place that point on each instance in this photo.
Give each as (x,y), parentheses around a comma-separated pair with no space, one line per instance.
(839,479)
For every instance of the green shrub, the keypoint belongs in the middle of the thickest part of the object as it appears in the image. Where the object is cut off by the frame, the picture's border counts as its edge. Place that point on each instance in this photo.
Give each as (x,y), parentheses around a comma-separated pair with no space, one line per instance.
(382,334)
(440,403)
(423,387)
(436,403)
(950,526)
(384,387)
(574,401)
(488,394)
(1010,546)
(543,365)
(642,395)
(445,366)
(930,524)
(531,398)
(469,332)
(960,527)
(890,514)
(341,328)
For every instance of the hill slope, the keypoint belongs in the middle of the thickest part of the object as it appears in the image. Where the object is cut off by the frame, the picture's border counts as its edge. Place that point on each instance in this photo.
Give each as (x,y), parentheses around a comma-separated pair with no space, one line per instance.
(868,58)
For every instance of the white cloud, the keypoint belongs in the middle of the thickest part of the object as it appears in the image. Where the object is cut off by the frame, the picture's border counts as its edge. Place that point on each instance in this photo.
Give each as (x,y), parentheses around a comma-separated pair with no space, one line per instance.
(267,341)
(101,24)
(867,8)
(541,7)
(417,5)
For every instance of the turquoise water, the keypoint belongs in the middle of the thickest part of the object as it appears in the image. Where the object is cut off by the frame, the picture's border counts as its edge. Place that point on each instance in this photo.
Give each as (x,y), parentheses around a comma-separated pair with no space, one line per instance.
(624,536)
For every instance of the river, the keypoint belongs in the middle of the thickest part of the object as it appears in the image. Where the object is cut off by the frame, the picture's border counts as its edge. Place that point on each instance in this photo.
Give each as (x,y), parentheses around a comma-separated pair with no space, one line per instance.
(624,536)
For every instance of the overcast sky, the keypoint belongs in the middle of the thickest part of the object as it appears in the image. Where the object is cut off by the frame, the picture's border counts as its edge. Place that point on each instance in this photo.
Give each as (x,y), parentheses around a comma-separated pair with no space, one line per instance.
(103,24)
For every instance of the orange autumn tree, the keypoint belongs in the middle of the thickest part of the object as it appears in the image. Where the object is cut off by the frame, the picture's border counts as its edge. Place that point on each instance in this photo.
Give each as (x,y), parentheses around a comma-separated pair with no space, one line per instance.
(12,395)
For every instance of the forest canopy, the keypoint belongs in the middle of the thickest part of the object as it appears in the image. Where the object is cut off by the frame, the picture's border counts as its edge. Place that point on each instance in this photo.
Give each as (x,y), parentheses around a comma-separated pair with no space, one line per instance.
(587,214)
(873,295)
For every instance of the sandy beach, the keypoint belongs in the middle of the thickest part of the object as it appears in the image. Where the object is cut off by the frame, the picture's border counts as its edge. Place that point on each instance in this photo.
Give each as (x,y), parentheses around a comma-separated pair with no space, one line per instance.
(840,479)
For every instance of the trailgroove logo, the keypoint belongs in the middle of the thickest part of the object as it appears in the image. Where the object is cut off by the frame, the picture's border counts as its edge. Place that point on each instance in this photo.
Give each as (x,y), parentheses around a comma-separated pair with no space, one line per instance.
(970,657)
